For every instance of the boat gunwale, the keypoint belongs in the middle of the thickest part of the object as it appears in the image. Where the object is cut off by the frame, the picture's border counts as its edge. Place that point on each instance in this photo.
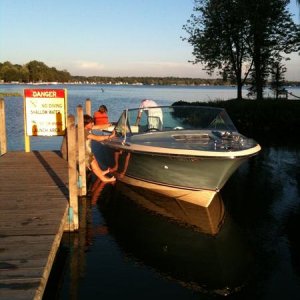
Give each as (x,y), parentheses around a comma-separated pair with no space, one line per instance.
(135,148)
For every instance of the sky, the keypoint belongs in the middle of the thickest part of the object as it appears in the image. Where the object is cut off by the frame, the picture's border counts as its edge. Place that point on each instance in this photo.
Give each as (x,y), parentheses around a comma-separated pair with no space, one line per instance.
(106,38)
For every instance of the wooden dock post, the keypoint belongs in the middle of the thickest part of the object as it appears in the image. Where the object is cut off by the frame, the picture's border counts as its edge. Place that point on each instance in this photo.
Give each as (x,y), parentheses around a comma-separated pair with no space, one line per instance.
(72,169)
(88,106)
(81,151)
(3,143)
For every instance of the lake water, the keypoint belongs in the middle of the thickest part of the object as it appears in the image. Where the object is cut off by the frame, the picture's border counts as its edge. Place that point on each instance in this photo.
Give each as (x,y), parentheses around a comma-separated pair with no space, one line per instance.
(125,252)
(116,98)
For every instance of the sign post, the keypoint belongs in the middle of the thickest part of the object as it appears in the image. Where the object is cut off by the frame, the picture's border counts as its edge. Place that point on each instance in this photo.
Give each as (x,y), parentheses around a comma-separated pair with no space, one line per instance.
(44,113)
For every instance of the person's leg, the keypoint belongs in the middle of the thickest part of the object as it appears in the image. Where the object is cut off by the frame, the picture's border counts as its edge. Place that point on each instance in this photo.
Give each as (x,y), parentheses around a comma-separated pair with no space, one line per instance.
(116,166)
(99,173)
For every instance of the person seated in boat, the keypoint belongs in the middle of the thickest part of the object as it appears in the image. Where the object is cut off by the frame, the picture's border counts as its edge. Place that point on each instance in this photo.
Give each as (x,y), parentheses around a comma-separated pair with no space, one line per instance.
(101,120)
(154,114)
(90,159)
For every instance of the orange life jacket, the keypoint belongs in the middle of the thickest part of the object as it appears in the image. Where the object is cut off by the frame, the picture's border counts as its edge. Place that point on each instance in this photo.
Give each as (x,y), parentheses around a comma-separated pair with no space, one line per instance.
(100,118)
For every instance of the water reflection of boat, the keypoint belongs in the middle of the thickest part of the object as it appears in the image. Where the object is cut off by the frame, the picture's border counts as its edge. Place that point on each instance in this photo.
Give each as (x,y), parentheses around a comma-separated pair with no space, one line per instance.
(214,264)
(187,152)
(207,219)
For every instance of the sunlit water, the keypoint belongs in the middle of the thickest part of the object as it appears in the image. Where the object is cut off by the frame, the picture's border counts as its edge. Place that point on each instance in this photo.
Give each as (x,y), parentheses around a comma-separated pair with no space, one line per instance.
(125,252)
(116,98)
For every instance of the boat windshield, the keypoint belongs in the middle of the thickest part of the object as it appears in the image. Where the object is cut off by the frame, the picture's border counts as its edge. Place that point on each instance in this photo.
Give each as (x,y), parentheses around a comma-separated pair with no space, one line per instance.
(169,118)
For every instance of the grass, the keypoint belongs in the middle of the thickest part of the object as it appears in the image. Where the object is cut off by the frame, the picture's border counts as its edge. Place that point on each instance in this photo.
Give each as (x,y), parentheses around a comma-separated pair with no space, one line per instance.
(10,94)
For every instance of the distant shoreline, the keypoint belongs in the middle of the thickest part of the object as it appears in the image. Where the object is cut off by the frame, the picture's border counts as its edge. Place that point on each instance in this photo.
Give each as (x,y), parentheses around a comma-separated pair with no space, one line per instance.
(288,84)
(36,72)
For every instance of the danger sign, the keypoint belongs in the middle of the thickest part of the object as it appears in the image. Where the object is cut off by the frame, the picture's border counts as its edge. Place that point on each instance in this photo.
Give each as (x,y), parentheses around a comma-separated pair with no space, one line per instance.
(45,112)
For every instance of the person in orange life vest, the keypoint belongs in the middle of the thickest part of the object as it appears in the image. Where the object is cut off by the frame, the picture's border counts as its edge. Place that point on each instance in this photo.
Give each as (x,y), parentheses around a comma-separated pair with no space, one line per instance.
(101,118)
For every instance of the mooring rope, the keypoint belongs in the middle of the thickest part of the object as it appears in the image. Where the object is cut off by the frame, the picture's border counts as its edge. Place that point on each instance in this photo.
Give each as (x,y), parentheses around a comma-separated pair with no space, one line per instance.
(125,131)
(293,95)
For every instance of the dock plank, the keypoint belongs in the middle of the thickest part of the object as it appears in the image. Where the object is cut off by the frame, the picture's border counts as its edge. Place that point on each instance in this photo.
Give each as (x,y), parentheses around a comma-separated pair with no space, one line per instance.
(33,212)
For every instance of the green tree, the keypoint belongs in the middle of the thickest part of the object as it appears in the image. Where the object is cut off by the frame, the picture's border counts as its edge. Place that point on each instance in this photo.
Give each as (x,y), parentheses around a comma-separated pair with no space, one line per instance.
(241,37)
(218,31)
(9,72)
(272,35)
(277,78)
(37,71)
(24,74)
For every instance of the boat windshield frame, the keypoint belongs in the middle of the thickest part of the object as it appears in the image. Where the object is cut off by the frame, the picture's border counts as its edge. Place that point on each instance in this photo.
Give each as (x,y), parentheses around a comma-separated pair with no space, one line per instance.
(173,118)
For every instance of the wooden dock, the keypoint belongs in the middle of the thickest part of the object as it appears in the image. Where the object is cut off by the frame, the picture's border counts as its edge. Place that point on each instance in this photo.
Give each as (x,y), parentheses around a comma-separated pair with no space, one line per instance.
(33,212)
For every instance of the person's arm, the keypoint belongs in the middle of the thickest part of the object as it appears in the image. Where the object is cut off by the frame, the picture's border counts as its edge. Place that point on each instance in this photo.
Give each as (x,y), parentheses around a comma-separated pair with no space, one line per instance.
(101,138)
(138,118)
(103,126)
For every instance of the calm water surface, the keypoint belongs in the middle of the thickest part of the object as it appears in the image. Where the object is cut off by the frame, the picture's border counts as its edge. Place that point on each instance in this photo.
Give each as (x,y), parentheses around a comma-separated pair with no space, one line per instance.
(116,98)
(123,251)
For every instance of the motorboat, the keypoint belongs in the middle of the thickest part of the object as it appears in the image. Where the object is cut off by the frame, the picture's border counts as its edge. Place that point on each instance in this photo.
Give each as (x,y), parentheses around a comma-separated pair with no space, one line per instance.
(186,152)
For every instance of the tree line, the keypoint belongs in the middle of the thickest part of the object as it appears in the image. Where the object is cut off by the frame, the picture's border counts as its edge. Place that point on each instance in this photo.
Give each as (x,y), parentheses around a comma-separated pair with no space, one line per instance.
(35,72)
